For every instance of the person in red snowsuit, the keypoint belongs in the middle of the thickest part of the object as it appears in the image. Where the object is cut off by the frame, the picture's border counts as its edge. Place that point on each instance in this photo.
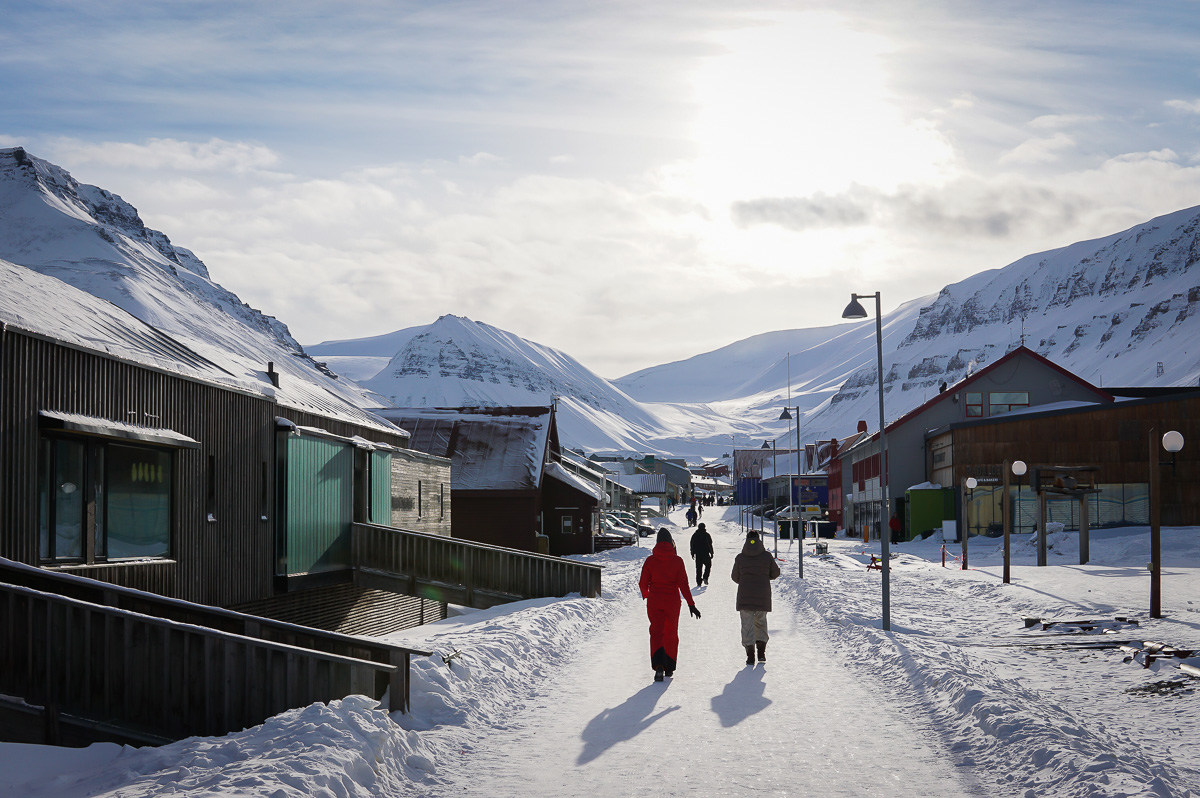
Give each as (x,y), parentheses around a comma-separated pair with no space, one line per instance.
(664,580)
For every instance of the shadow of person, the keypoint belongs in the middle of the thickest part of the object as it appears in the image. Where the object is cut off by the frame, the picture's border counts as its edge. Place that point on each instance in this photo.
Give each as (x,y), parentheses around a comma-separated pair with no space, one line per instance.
(621,723)
(742,697)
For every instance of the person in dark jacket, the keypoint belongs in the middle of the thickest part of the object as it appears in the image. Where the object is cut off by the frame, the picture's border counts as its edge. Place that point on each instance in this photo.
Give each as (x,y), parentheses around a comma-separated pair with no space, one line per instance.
(691,516)
(664,580)
(753,571)
(702,553)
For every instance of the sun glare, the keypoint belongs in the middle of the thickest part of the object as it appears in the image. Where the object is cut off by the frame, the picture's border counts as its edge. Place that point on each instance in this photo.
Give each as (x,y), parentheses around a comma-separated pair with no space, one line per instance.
(800,105)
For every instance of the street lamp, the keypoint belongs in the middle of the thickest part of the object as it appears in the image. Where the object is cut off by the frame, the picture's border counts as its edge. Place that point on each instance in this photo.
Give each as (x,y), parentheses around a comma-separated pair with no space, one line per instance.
(971,483)
(856,311)
(786,416)
(1018,468)
(1171,442)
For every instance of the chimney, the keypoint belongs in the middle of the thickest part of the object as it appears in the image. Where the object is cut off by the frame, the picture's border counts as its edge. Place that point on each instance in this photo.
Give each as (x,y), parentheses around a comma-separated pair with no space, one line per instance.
(272,374)
(862,426)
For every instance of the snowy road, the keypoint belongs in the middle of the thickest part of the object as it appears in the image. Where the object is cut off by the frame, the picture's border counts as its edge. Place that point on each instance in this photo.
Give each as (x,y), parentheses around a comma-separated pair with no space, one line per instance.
(798,725)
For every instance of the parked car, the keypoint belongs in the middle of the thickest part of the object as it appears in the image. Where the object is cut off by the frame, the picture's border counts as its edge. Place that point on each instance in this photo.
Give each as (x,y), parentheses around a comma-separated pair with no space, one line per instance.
(610,526)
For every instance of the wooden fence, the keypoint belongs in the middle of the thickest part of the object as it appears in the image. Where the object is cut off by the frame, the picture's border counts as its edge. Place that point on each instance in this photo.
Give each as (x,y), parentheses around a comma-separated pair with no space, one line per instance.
(158,668)
(461,571)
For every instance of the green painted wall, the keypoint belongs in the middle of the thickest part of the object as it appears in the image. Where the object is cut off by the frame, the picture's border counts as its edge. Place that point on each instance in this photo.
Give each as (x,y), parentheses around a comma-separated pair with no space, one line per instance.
(320,504)
(381,488)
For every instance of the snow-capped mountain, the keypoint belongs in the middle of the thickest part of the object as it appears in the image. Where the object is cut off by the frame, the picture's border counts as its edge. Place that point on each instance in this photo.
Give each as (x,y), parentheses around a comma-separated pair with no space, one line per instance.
(95,241)
(1111,310)
(457,362)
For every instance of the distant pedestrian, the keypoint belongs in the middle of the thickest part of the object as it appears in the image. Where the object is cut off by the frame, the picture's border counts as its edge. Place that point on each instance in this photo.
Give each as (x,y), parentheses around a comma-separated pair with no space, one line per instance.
(702,553)
(664,581)
(753,571)
(691,516)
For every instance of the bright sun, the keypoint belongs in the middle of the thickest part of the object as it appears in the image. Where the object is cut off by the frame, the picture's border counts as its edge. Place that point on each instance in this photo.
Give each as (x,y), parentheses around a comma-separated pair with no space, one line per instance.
(800,104)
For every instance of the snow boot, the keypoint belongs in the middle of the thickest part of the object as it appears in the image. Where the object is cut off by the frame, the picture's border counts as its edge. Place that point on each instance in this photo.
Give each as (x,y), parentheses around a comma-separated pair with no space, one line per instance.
(762,650)
(658,675)
(749,655)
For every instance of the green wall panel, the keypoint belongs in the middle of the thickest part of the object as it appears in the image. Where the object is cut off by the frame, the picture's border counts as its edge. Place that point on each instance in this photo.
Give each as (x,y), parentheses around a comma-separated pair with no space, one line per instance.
(320,504)
(381,488)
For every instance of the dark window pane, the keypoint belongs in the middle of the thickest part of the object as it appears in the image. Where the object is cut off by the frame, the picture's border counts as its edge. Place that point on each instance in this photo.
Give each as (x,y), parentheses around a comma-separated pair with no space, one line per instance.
(139,502)
(68,492)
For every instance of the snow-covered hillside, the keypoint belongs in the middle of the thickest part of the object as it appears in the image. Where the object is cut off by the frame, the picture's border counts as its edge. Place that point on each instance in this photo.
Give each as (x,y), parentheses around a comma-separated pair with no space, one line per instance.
(95,241)
(1110,310)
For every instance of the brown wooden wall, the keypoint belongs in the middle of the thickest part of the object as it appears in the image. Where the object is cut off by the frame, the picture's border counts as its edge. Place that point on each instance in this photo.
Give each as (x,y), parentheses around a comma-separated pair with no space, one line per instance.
(1114,437)
(499,518)
(223,562)
(559,501)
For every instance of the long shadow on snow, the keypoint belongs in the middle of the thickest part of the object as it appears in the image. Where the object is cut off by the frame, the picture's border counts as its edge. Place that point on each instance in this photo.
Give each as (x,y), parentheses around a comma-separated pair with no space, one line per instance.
(622,723)
(742,697)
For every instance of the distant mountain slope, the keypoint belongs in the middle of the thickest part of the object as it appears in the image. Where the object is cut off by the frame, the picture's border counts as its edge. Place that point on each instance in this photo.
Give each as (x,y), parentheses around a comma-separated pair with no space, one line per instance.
(95,241)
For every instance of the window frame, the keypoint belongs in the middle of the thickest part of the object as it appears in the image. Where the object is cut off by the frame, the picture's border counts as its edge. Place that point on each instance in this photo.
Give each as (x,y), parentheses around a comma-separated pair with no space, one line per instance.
(94,520)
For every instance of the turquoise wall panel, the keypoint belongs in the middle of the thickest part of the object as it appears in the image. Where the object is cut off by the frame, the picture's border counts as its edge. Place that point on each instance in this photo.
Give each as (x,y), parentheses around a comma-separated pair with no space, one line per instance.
(320,504)
(381,488)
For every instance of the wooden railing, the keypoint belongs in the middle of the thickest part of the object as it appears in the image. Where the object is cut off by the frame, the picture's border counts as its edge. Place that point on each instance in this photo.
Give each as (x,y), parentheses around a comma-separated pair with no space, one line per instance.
(329,664)
(155,680)
(461,571)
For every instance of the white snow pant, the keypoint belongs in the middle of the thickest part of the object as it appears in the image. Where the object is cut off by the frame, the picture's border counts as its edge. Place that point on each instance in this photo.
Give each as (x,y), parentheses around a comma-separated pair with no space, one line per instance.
(754,626)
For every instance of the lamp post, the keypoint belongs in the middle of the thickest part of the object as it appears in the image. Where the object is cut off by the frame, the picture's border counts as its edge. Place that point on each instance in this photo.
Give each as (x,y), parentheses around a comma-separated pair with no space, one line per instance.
(856,311)
(1018,468)
(786,416)
(775,503)
(971,483)
(1172,442)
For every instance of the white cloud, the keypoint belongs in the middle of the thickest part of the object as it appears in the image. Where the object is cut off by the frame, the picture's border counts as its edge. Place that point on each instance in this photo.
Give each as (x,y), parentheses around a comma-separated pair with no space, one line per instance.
(170,154)
(1187,106)
(1167,155)
(1059,121)
(1038,151)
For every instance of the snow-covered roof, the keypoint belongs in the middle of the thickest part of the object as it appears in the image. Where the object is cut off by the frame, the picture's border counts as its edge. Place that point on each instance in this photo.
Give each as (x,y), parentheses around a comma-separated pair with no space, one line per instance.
(118,429)
(556,471)
(490,448)
(50,308)
(642,483)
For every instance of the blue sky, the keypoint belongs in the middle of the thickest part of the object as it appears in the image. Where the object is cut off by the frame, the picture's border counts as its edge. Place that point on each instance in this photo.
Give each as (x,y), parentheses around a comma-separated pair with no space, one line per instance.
(630,182)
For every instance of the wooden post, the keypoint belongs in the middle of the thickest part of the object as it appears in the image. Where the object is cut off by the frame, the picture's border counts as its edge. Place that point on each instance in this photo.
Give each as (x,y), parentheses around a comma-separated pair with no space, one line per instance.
(1155,532)
(1084,549)
(1006,514)
(1041,525)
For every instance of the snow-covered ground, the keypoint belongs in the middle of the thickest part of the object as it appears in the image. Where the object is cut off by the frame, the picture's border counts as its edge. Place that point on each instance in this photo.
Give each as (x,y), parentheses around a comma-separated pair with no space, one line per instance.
(555,697)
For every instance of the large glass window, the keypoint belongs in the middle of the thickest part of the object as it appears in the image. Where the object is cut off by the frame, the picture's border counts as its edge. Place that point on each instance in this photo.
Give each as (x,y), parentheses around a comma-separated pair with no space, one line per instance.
(1004,401)
(139,503)
(114,498)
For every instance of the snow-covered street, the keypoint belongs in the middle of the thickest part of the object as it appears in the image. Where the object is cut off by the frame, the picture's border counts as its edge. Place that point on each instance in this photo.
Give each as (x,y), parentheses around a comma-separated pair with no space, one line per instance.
(800,724)
(555,696)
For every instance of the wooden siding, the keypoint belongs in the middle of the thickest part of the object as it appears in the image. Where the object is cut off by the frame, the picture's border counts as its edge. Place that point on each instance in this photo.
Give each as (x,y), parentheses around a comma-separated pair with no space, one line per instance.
(225,561)
(1113,437)
(497,518)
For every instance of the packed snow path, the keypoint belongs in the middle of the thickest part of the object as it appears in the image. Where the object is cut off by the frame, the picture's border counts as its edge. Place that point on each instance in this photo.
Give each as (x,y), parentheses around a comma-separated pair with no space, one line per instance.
(800,724)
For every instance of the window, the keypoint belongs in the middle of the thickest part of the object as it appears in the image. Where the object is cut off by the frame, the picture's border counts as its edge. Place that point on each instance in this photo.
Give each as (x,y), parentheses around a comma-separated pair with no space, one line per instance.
(1002,402)
(103,501)
(974,405)
(566,524)
(420,498)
